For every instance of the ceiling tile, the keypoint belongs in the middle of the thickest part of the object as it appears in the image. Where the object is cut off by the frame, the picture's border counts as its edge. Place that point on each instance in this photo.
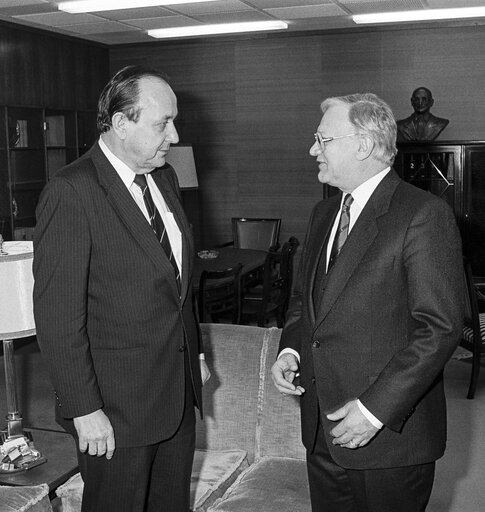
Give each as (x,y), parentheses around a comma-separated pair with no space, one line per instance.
(16,3)
(370,6)
(122,38)
(234,17)
(210,7)
(165,22)
(99,28)
(446,4)
(270,4)
(59,19)
(26,9)
(132,14)
(307,11)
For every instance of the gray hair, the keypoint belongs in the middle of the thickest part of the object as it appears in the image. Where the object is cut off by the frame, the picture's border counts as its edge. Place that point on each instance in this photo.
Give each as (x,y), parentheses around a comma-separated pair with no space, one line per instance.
(373,116)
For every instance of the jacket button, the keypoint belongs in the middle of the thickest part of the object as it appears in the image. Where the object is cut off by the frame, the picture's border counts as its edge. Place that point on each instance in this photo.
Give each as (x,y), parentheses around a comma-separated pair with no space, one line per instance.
(316,344)
(182,348)
(314,380)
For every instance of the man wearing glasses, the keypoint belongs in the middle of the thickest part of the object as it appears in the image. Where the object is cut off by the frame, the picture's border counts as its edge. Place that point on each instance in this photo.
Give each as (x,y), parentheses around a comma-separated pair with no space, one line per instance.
(375,315)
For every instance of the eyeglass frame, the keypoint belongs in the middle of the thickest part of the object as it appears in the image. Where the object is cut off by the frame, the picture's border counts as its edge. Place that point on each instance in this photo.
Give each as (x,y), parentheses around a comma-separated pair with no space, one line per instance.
(321,141)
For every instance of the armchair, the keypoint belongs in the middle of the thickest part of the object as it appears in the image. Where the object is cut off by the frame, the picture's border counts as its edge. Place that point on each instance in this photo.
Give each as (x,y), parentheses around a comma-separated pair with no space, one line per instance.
(473,336)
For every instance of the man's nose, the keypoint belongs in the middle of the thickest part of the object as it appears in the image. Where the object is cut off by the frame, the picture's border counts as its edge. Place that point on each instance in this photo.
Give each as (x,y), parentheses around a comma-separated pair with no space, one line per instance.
(315,150)
(173,135)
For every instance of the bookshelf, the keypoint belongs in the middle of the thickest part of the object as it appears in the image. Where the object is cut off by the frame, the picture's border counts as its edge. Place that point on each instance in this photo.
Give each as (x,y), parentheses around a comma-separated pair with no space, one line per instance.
(35,143)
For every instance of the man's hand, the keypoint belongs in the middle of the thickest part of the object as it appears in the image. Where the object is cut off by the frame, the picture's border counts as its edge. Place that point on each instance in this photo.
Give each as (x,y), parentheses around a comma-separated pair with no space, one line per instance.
(284,372)
(204,371)
(355,430)
(96,434)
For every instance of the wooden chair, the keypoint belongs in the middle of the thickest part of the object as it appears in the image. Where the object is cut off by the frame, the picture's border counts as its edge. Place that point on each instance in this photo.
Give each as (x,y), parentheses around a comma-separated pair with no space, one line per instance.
(473,337)
(271,298)
(220,295)
(260,234)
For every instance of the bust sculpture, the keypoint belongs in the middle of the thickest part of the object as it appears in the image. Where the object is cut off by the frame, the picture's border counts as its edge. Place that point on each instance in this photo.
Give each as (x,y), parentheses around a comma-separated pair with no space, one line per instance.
(422,124)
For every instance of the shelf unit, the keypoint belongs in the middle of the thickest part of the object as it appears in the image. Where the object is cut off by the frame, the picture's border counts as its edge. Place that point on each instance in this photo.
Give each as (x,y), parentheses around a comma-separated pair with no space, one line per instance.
(34,144)
(455,171)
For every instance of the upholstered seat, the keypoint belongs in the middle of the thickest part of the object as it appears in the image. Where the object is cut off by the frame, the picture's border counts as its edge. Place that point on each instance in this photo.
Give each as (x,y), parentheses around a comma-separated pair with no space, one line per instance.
(25,499)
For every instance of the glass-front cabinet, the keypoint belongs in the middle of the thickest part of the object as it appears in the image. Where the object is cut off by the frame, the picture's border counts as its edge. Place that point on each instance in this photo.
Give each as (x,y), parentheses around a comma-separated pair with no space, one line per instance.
(455,171)
(34,144)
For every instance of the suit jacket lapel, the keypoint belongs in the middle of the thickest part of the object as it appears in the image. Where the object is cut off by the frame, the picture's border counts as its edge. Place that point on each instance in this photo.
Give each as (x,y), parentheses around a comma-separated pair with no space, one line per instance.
(160,176)
(358,242)
(322,223)
(128,211)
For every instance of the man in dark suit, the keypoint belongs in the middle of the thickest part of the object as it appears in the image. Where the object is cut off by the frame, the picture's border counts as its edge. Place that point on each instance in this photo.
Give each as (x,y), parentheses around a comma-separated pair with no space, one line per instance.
(113,304)
(375,315)
(422,125)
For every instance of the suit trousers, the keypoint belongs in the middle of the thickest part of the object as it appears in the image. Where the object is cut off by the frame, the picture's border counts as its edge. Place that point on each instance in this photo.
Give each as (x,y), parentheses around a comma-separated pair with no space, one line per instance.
(336,489)
(143,478)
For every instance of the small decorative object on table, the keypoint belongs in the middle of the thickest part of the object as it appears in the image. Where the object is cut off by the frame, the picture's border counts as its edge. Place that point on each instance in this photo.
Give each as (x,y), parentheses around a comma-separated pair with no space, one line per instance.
(208,254)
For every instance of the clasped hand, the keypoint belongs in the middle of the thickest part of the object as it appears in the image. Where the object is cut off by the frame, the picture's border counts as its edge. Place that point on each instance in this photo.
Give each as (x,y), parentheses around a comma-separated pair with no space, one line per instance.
(354,430)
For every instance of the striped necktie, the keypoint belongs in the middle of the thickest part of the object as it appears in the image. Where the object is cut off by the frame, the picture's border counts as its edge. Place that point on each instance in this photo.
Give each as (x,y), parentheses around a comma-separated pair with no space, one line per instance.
(342,231)
(157,224)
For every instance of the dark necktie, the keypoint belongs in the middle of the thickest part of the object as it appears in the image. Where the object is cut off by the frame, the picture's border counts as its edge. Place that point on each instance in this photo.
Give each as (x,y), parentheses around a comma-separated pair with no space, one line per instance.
(342,231)
(157,224)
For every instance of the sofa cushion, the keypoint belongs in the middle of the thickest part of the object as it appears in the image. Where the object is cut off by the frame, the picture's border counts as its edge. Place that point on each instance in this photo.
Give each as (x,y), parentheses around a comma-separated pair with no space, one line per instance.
(213,473)
(25,499)
(279,428)
(272,484)
(231,396)
(71,494)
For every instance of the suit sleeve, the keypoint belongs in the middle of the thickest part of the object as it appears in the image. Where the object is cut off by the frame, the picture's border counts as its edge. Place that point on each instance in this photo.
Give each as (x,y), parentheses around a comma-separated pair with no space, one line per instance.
(62,251)
(433,267)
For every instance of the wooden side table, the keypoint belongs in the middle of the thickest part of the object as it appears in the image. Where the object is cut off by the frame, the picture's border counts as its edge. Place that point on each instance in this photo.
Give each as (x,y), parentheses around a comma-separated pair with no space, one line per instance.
(60,451)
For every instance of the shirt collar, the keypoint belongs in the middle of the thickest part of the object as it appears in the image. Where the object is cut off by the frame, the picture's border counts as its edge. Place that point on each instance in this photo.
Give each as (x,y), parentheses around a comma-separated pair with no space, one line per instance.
(363,192)
(124,172)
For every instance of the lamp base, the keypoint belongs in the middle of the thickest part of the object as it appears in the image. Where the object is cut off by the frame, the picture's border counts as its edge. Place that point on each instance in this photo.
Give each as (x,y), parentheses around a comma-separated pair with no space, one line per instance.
(18,453)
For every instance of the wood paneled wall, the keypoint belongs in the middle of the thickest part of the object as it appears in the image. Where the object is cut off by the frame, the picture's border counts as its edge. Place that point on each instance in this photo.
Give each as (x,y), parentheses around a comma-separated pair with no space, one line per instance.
(39,69)
(250,106)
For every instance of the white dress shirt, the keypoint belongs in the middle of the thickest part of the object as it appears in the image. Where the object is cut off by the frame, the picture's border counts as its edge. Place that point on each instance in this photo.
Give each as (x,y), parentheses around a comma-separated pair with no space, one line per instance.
(127,176)
(361,195)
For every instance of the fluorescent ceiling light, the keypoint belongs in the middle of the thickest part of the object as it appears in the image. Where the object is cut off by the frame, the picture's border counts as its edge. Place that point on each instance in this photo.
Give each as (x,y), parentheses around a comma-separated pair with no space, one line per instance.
(428,14)
(219,28)
(112,5)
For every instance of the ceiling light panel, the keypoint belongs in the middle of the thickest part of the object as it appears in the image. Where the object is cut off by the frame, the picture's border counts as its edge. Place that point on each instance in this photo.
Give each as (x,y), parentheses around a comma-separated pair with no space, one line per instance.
(423,15)
(220,28)
(79,6)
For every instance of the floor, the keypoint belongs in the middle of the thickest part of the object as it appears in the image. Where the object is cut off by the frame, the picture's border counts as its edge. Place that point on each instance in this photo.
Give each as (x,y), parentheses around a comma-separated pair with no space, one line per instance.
(459,484)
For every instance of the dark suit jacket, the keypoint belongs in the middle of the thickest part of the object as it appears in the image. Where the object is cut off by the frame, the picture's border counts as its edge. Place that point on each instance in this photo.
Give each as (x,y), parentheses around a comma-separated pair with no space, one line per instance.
(109,319)
(389,318)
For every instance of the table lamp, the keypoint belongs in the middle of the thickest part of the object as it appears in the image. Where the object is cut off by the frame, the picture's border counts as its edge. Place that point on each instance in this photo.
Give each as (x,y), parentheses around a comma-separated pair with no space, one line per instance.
(181,158)
(17,451)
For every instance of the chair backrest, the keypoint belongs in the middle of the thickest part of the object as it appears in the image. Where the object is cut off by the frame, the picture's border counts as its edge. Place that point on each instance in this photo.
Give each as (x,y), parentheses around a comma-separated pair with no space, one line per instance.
(255,233)
(472,312)
(277,279)
(286,267)
(220,294)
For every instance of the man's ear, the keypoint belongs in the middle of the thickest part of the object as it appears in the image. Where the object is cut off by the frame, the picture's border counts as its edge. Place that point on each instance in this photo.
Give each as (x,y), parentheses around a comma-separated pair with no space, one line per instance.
(366,146)
(431,102)
(118,121)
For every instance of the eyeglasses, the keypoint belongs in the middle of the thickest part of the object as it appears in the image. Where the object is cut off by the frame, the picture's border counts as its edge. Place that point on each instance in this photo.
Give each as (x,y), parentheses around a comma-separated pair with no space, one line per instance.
(321,141)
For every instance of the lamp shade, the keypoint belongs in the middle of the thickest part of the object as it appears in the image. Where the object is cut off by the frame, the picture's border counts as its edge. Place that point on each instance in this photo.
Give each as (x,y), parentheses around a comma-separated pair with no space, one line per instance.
(16,287)
(181,158)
